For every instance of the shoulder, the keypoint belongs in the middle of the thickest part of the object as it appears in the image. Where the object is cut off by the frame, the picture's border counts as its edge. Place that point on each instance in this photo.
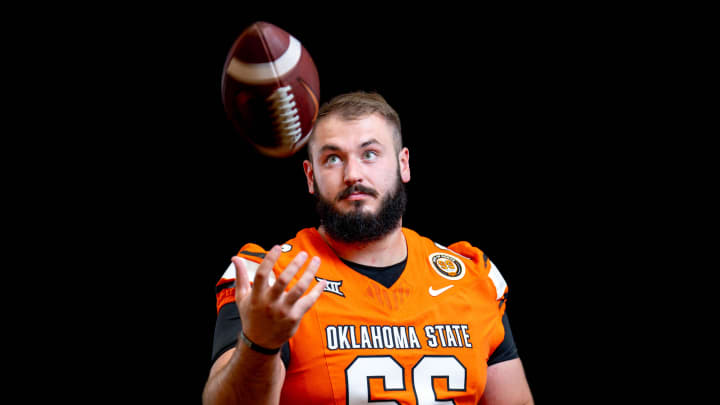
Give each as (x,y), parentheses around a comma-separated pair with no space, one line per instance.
(458,257)
(462,251)
(484,265)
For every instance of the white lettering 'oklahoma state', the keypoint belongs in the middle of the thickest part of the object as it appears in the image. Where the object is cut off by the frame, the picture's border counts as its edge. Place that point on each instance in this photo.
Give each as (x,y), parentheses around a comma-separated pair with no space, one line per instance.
(347,337)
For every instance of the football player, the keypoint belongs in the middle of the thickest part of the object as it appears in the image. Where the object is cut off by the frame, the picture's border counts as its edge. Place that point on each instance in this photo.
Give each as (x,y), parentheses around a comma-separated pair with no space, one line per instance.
(361,309)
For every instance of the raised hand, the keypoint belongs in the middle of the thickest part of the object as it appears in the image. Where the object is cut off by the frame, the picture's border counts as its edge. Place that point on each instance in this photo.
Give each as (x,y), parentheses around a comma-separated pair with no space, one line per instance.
(270,315)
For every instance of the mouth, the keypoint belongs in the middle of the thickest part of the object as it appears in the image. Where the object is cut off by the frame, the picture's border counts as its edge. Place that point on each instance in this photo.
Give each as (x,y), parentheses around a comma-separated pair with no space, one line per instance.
(357,196)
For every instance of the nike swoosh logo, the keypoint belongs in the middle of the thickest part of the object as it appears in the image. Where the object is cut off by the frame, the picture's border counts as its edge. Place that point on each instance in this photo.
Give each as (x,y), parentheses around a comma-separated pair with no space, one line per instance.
(435,293)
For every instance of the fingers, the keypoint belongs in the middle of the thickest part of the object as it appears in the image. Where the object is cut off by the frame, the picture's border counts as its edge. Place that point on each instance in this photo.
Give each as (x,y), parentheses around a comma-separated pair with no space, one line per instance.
(306,302)
(276,292)
(270,313)
(302,285)
(287,275)
(262,275)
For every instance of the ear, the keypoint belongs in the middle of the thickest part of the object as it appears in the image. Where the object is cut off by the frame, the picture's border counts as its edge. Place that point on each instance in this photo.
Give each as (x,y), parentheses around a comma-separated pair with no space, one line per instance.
(404,162)
(309,175)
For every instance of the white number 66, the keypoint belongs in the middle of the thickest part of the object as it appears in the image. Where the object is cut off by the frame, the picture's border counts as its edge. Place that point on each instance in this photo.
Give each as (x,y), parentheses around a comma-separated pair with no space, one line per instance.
(358,373)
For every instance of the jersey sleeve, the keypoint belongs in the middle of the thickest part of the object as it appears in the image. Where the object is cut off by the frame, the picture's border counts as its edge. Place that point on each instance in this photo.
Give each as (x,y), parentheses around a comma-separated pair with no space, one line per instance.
(503,348)
(493,274)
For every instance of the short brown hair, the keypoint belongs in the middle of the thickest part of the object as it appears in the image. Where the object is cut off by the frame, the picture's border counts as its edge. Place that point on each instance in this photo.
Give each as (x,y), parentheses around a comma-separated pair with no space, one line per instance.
(356,105)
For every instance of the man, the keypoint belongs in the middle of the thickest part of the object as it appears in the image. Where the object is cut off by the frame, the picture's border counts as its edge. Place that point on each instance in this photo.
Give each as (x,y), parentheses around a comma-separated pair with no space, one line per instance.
(378,314)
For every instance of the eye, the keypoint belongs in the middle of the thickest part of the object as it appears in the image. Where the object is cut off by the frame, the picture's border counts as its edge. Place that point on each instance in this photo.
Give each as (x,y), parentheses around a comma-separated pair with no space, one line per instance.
(332,159)
(370,155)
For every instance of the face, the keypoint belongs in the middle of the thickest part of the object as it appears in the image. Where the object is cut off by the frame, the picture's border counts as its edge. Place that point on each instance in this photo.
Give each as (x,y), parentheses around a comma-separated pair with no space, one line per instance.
(356,170)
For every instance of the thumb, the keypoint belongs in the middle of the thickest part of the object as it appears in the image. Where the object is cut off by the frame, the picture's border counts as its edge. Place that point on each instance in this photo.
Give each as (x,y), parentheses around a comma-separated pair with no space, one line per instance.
(242,280)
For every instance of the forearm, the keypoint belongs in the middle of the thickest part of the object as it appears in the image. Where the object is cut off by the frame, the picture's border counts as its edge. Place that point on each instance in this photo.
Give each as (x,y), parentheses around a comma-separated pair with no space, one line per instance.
(247,378)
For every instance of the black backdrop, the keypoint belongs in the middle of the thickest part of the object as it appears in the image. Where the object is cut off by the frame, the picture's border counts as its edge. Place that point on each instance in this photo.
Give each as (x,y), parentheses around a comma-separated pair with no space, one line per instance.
(513,120)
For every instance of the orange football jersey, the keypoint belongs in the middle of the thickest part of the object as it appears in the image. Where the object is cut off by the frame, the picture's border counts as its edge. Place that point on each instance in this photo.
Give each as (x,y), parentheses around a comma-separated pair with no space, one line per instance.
(424,340)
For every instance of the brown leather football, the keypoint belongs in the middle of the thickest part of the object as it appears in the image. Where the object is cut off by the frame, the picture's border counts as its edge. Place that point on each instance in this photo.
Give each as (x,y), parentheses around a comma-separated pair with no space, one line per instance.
(271,89)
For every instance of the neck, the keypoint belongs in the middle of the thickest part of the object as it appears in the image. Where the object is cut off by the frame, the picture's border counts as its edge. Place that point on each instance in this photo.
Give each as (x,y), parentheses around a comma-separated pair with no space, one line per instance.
(390,249)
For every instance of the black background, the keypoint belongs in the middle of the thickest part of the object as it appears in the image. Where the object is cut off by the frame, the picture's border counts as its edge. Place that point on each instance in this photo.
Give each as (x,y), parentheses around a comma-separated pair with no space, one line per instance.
(522,126)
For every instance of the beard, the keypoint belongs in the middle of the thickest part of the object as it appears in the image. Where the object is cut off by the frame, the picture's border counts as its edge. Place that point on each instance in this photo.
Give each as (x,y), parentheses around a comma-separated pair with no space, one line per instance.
(357,226)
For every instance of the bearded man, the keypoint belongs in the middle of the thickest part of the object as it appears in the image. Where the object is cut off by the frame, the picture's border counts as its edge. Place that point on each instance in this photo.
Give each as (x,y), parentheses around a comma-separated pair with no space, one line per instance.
(378,314)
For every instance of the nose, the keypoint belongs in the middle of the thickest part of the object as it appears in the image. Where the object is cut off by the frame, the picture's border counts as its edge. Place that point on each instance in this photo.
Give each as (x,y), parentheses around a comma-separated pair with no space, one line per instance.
(353,172)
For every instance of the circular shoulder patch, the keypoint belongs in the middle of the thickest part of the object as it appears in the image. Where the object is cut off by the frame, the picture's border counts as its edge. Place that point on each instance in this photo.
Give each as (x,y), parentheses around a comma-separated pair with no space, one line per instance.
(447,266)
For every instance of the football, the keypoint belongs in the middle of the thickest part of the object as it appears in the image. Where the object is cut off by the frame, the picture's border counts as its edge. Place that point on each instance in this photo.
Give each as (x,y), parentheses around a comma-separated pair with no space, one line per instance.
(271,89)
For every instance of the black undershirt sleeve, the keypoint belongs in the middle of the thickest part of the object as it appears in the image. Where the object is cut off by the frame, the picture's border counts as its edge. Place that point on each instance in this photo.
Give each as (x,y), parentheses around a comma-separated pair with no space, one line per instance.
(507,349)
(227,329)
